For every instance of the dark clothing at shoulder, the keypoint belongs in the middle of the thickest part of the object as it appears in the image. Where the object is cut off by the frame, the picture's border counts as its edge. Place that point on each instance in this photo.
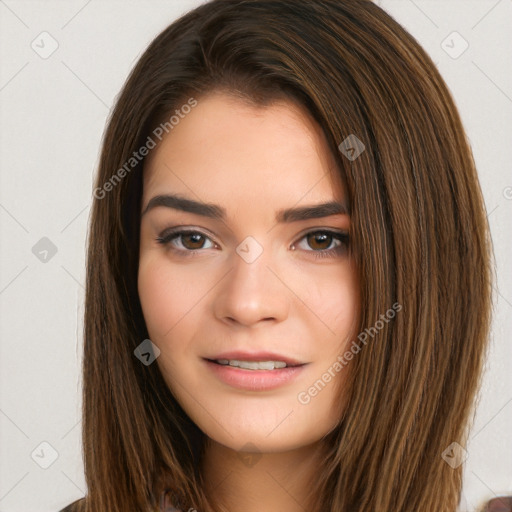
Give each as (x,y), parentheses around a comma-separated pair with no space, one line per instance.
(74,507)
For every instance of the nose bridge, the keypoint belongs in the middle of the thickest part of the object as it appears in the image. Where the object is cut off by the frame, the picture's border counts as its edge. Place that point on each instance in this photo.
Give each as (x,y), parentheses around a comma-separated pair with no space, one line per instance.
(252,292)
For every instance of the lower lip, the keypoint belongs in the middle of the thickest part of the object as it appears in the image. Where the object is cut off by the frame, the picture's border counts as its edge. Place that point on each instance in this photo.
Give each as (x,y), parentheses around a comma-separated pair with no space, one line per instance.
(254,380)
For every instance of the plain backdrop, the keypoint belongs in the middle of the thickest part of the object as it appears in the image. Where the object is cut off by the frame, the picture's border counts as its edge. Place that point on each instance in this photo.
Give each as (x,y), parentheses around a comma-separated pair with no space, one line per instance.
(62,65)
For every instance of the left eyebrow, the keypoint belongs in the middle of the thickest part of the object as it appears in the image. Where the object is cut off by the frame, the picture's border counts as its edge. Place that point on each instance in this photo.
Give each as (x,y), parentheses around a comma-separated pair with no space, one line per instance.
(316,211)
(214,211)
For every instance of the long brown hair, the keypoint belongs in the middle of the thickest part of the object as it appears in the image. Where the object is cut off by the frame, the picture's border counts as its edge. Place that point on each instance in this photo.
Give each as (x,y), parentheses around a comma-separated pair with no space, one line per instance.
(419,235)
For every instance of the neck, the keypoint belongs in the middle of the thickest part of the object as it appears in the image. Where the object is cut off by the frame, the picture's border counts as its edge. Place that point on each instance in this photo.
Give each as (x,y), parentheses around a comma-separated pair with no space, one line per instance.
(253,482)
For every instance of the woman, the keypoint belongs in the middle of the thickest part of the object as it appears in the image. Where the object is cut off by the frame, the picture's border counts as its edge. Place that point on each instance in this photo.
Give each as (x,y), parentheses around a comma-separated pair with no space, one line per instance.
(289,270)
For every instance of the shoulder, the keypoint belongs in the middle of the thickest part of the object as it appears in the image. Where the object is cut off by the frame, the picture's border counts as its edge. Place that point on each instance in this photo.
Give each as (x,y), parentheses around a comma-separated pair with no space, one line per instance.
(76,506)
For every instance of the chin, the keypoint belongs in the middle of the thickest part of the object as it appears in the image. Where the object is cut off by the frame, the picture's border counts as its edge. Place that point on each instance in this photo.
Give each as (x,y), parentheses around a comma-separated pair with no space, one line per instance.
(255,434)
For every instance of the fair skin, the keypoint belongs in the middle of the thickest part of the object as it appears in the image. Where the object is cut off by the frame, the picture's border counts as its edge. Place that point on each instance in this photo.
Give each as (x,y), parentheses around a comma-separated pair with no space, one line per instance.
(200,297)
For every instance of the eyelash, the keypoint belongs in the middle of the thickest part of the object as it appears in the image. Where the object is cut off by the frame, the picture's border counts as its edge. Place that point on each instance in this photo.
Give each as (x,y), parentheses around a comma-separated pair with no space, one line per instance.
(166,237)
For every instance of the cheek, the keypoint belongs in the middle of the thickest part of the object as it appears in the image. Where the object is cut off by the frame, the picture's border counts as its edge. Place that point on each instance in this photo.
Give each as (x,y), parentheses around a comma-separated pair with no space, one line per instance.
(154,298)
(336,301)
(164,297)
(167,304)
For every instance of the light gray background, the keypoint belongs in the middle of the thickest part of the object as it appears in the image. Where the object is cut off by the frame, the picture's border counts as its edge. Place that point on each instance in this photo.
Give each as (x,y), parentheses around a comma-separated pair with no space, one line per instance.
(53,113)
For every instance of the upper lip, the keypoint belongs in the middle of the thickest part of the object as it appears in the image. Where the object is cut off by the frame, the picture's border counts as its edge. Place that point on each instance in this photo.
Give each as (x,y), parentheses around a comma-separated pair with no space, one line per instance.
(256,356)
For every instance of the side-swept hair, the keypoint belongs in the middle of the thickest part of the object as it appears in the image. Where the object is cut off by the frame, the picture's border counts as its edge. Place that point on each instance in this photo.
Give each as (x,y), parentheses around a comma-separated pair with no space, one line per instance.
(419,236)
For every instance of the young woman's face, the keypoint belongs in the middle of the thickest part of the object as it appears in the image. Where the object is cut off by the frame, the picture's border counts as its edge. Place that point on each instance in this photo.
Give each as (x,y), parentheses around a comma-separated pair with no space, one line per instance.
(246,281)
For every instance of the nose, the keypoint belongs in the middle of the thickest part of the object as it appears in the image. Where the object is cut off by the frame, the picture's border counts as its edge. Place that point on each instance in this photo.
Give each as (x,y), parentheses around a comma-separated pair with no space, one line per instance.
(252,292)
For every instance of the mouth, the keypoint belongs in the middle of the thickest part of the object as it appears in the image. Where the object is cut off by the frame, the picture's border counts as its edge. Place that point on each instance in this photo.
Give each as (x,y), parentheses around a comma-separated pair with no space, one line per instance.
(254,372)
(256,361)
(253,365)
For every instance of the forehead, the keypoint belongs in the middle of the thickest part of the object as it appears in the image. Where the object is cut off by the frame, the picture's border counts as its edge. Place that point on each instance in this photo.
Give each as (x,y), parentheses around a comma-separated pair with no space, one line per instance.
(225,145)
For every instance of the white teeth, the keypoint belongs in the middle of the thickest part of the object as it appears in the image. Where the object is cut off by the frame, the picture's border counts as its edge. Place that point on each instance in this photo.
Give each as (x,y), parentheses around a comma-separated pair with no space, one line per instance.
(252,365)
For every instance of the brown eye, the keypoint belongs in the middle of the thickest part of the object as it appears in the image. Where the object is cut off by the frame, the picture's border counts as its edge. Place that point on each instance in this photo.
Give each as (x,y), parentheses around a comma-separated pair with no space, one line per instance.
(192,240)
(324,243)
(319,240)
(184,240)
